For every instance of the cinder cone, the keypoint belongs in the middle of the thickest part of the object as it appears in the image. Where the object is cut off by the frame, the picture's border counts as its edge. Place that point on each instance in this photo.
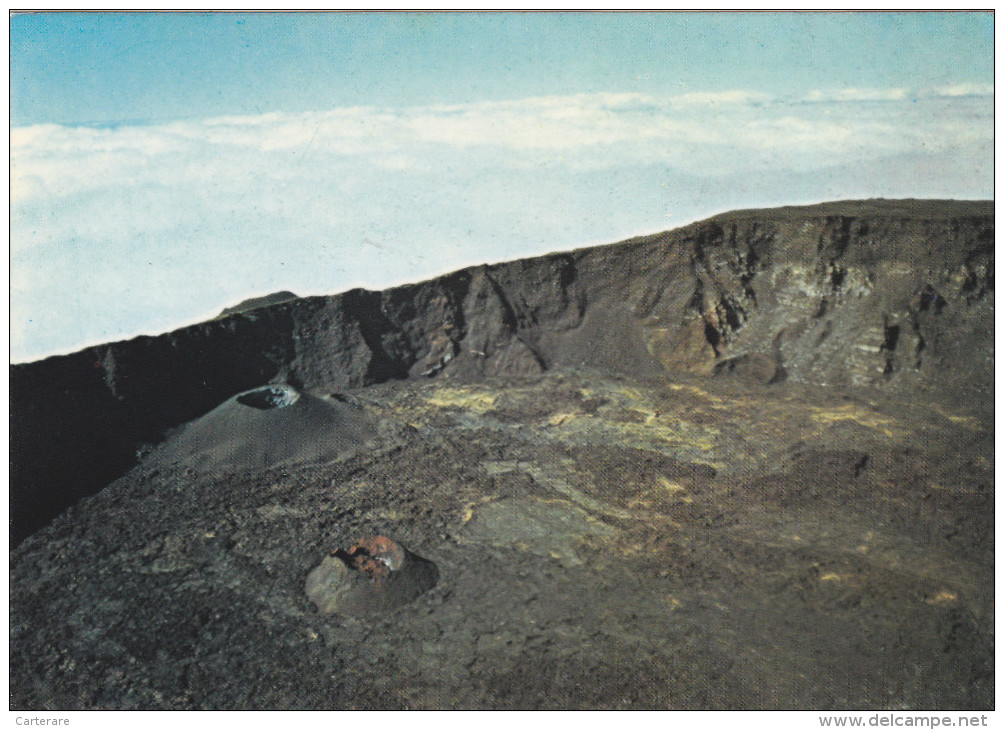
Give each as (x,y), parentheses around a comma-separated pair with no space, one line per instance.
(375,574)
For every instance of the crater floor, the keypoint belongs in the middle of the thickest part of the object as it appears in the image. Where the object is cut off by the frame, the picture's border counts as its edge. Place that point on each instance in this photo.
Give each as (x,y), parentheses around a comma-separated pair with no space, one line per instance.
(674,543)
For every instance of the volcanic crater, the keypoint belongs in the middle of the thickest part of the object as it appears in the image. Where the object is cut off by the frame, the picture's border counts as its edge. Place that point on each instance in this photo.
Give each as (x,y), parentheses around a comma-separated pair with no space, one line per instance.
(745,464)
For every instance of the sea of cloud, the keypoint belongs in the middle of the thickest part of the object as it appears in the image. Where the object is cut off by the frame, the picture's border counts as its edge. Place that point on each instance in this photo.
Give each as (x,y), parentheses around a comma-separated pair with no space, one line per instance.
(117,231)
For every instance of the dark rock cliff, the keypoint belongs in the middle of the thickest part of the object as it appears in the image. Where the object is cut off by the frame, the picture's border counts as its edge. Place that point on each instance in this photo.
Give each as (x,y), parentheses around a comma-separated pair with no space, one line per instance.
(895,295)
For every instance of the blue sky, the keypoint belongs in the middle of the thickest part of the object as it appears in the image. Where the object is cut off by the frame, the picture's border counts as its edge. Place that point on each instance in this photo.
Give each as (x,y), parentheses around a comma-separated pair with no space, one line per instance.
(79,68)
(164,166)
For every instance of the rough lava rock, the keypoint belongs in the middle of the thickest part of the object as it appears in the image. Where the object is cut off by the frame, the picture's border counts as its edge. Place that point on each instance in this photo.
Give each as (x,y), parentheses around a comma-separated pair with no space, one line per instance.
(745,464)
(892,295)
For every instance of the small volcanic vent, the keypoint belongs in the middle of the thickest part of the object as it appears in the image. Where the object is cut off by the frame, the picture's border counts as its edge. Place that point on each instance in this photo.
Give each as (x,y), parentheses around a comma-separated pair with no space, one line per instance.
(375,574)
(267,427)
(376,557)
(268,397)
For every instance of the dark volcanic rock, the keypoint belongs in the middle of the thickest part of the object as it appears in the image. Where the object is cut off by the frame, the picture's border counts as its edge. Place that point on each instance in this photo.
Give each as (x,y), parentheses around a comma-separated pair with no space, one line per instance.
(893,295)
(369,580)
(77,421)
(746,464)
(600,542)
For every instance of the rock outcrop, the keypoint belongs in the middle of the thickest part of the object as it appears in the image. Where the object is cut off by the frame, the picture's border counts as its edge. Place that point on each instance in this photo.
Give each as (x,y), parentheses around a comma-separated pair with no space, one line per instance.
(892,295)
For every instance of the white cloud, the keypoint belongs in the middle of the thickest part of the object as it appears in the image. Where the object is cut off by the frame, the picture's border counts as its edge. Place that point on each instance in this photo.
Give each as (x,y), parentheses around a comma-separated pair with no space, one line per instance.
(965,90)
(856,94)
(898,93)
(152,225)
(579,130)
(710,98)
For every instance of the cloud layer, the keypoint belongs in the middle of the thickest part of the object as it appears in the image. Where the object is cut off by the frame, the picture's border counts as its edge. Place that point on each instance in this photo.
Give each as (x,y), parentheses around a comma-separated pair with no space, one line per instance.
(116,231)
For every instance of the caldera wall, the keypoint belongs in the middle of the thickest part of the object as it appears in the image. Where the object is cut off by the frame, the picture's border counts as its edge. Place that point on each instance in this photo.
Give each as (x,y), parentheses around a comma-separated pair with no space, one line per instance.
(896,295)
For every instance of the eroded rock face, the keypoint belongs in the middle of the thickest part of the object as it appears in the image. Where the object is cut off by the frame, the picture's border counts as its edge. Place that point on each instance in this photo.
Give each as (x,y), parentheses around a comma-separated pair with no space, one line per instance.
(890,295)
